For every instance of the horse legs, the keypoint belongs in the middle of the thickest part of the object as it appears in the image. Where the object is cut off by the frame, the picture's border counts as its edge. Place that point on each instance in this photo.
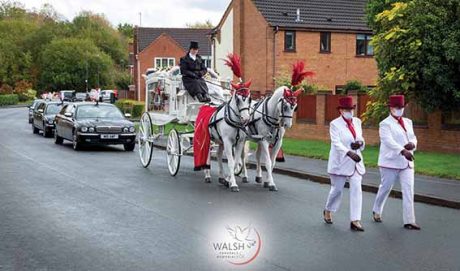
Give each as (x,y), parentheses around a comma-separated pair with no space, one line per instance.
(258,163)
(220,152)
(268,165)
(239,159)
(231,165)
(207,172)
(244,160)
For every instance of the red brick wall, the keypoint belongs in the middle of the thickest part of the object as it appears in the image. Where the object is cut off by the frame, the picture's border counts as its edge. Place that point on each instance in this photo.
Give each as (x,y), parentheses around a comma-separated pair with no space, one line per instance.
(254,41)
(430,138)
(163,46)
(335,68)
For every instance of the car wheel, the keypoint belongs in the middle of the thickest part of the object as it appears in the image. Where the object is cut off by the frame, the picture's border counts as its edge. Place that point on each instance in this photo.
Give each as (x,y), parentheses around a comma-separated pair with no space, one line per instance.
(34,129)
(46,132)
(57,139)
(76,145)
(129,146)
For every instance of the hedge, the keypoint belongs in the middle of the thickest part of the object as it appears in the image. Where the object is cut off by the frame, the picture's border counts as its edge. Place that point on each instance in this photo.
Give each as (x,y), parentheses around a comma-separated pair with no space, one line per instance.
(9,99)
(133,107)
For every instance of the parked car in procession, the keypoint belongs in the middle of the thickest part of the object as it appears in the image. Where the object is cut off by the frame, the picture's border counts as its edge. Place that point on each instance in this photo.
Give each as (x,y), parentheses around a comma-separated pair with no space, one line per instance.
(94,123)
(43,116)
(108,96)
(67,95)
(81,97)
(31,109)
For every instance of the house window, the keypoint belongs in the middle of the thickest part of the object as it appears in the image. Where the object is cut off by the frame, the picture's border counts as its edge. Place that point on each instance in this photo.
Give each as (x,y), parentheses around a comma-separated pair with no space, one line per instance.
(289,41)
(207,61)
(164,62)
(325,42)
(363,46)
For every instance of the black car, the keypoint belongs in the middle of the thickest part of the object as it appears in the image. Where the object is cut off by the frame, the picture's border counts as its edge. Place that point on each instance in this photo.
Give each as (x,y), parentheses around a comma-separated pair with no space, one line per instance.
(43,116)
(31,109)
(94,123)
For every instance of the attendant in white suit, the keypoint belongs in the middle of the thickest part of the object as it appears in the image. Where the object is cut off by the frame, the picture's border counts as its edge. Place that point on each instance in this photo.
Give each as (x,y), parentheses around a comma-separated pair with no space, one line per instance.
(345,163)
(396,161)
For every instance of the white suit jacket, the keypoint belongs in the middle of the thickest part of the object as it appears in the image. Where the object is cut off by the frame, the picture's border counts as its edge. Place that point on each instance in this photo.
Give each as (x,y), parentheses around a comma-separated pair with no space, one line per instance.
(341,138)
(392,141)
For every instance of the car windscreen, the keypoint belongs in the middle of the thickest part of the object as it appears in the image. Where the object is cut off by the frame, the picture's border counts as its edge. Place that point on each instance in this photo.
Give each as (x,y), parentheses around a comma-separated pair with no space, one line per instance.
(80,95)
(68,94)
(53,108)
(98,112)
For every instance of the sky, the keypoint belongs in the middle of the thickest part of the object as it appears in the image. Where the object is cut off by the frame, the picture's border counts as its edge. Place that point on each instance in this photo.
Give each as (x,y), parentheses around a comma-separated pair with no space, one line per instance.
(154,13)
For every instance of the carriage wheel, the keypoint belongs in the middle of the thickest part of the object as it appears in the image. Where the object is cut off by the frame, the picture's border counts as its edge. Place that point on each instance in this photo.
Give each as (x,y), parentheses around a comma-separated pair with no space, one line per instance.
(145,139)
(173,152)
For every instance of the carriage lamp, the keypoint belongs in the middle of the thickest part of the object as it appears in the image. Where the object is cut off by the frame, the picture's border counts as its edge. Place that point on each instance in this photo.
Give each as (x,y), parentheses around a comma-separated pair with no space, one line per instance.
(91,129)
(132,129)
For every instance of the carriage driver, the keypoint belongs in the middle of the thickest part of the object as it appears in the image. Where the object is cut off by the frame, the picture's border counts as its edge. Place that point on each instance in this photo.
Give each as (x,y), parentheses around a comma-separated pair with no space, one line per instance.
(193,68)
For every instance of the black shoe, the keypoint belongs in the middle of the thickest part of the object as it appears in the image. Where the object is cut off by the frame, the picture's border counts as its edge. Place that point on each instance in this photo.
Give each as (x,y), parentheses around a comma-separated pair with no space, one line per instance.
(327,220)
(354,227)
(412,227)
(376,219)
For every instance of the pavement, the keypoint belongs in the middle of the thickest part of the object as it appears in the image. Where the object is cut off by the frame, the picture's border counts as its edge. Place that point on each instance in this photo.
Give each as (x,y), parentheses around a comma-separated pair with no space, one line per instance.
(99,209)
(428,189)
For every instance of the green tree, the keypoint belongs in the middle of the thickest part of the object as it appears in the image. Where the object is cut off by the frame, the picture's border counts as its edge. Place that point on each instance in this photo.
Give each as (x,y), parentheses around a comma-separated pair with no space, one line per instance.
(126,30)
(96,28)
(66,62)
(416,46)
(205,24)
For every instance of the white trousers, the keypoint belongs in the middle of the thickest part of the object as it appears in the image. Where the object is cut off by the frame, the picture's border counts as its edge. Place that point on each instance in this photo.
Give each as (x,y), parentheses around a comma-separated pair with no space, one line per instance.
(356,196)
(388,178)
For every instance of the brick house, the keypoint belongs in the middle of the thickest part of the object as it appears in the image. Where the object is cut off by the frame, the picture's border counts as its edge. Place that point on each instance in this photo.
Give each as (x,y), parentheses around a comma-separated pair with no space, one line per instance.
(163,47)
(331,36)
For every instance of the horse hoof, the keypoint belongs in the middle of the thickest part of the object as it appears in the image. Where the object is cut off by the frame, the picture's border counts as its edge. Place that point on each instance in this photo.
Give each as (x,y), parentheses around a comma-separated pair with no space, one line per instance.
(258,179)
(265,185)
(272,188)
(207,180)
(234,189)
(244,180)
(222,181)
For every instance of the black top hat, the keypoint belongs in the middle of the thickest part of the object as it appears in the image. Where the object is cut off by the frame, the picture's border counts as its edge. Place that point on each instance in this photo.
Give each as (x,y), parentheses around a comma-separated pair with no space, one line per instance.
(194,45)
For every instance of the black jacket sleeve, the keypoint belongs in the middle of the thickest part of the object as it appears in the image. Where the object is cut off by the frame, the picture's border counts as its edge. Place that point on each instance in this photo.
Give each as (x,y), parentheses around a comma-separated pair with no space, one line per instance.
(184,69)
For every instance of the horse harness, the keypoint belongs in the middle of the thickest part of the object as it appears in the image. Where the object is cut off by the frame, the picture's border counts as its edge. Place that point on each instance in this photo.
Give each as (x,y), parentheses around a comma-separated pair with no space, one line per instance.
(228,110)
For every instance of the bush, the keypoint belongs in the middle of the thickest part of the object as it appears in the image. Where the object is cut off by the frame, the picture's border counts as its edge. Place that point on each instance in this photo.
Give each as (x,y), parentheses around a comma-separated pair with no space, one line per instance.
(354,85)
(133,107)
(28,95)
(6,89)
(9,99)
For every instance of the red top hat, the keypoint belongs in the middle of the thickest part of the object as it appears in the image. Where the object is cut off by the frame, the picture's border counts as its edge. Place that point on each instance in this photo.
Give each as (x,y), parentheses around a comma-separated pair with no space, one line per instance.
(346,103)
(396,101)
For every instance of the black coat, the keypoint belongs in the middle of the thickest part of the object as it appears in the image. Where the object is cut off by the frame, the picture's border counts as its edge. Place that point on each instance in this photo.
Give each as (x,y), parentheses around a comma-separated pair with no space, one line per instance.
(192,74)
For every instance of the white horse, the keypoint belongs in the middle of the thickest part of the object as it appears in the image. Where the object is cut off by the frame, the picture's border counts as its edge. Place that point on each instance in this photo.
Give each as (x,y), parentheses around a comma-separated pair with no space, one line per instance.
(269,120)
(227,129)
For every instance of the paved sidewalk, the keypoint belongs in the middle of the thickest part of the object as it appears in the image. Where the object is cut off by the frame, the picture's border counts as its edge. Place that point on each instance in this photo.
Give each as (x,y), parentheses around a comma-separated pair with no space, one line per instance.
(446,190)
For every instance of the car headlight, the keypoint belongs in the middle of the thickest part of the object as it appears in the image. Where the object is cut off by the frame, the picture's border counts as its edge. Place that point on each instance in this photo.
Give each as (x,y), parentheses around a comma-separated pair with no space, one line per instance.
(125,130)
(84,129)
(91,129)
(132,129)
(50,121)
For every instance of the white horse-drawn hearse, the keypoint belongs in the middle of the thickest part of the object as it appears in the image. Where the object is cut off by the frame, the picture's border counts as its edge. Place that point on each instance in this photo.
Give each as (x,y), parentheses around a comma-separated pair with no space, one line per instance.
(232,119)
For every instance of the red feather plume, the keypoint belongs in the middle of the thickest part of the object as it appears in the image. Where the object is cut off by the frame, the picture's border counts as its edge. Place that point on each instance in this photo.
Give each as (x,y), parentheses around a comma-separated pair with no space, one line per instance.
(233,61)
(298,73)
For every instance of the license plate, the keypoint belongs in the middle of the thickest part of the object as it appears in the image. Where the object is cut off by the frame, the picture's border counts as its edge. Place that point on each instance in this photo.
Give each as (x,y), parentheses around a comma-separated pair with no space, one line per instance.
(109,136)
